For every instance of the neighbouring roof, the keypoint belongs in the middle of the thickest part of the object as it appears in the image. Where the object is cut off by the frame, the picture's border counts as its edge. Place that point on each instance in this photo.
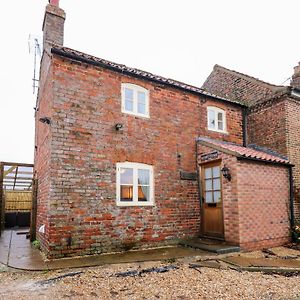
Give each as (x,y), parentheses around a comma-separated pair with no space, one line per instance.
(89,59)
(240,87)
(251,152)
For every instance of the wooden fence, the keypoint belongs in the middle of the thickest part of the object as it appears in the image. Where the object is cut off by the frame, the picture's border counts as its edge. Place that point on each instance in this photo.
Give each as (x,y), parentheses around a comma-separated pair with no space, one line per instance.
(18,201)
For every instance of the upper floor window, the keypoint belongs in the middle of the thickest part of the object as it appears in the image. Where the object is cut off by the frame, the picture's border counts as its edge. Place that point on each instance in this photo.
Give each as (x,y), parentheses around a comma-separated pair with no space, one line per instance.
(135,100)
(134,184)
(216,119)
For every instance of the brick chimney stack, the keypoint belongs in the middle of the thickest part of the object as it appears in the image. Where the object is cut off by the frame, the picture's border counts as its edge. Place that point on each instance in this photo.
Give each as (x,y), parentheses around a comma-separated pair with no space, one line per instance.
(296,77)
(53,25)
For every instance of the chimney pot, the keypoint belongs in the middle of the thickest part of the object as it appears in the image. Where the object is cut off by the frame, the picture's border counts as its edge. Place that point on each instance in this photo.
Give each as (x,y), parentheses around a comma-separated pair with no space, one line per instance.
(54,2)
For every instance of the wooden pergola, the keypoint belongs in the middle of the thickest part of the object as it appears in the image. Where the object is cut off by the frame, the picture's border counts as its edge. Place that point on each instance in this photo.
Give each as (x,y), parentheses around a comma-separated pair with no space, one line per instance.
(17,177)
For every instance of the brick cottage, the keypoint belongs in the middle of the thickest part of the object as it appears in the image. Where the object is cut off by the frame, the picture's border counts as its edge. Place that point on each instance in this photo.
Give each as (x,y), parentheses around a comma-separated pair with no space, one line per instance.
(128,159)
(273,114)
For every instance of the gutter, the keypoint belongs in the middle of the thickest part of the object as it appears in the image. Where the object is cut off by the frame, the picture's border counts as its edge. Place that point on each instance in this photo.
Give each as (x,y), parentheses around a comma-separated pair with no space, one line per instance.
(265,161)
(127,72)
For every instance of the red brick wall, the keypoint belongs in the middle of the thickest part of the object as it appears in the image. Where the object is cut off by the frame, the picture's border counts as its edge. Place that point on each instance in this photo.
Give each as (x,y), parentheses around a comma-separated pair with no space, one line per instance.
(266,126)
(263,199)
(237,86)
(255,202)
(275,125)
(42,154)
(293,145)
(83,216)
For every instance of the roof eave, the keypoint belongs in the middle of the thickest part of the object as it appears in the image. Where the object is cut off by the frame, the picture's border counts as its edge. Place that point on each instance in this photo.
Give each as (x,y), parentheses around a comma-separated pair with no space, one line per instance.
(287,164)
(240,156)
(73,56)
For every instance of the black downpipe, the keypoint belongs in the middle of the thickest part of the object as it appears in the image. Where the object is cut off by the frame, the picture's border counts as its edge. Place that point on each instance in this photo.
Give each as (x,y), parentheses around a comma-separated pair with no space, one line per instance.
(198,177)
(291,197)
(199,189)
(244,112)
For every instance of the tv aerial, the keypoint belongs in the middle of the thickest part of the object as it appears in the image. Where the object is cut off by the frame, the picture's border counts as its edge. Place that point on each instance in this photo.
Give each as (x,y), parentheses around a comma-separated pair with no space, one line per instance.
(35,49)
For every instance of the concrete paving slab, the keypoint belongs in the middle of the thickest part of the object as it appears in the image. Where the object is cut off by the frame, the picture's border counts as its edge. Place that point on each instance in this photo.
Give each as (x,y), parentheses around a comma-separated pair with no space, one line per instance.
(214,246)
(262,262)
(4,246)
(18,253)
(285,252)
(166,253)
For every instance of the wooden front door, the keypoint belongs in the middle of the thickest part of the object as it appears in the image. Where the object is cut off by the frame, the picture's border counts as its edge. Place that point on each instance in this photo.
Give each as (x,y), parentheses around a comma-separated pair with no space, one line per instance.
(212,204)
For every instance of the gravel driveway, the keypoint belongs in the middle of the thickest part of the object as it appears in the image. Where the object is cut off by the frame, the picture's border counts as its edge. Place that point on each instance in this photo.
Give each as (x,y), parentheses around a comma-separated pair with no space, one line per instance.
(182,283)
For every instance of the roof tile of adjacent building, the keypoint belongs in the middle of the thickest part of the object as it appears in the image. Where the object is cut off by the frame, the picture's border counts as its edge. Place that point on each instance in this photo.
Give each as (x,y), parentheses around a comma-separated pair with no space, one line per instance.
(240,87)
(86,58)
(251,152)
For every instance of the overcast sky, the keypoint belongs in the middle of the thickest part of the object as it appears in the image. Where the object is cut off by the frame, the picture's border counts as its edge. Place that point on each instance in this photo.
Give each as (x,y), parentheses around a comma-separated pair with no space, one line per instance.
(177,39)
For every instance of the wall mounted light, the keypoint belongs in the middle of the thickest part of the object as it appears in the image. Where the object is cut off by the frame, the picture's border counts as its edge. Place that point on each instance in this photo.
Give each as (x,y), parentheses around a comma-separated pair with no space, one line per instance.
(226,173)
(45,120)
(118,126)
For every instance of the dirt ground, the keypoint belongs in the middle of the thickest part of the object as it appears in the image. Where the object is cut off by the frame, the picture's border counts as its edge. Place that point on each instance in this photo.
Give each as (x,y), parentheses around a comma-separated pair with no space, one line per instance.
(184,282)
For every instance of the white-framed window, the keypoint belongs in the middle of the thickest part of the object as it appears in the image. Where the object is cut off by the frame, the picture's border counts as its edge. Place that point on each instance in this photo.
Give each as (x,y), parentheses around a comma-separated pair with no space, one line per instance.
(135,100)
(216,119)
(134,184)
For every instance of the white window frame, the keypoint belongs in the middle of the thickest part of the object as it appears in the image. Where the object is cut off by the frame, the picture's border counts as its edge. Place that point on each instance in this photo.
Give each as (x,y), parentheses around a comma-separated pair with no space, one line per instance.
(135,167)
(136,89)
(217,110)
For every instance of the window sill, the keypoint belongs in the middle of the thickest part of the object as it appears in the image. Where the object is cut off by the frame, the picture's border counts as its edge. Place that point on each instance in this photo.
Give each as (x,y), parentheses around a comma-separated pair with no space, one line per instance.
(219,131)
(136,114)
(123,204)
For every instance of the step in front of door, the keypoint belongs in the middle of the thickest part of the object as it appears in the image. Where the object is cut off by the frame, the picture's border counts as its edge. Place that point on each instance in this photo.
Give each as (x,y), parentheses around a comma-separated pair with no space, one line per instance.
(219,248)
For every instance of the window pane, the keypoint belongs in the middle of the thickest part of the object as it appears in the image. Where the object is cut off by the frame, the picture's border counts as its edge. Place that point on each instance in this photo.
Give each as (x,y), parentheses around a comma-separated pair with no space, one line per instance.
(141,97)
(217,184)
(143,193)
(216,171)
(143,177)
(220,117)
(208,197)
(220,125)
(208,173)
(208,185)
(128,99)
(126,193)
(217,196)
(126,176)
(211,119)
(220,121)
(141,108)
(128,94)
(128,105)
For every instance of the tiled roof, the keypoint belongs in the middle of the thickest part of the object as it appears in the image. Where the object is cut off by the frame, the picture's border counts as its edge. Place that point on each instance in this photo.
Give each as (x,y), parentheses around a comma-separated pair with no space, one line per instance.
(250,152)
(86,58)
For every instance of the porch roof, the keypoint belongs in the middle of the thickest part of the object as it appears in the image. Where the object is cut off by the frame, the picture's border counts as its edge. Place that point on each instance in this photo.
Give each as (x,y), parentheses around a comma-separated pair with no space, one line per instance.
(252,152)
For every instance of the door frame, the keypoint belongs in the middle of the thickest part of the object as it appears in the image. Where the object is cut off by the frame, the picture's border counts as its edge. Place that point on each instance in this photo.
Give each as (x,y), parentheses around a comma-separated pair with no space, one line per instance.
(202,190)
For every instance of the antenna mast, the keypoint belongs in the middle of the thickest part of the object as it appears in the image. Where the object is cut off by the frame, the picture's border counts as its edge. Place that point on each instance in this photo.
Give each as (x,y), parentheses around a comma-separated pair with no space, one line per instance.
(35,48)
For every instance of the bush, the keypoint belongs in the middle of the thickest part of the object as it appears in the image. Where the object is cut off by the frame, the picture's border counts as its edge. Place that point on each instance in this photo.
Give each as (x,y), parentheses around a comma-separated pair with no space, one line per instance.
(36,244)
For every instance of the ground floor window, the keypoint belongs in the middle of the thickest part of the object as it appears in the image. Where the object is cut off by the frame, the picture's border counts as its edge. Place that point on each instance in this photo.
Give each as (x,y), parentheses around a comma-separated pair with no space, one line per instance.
(134,184)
